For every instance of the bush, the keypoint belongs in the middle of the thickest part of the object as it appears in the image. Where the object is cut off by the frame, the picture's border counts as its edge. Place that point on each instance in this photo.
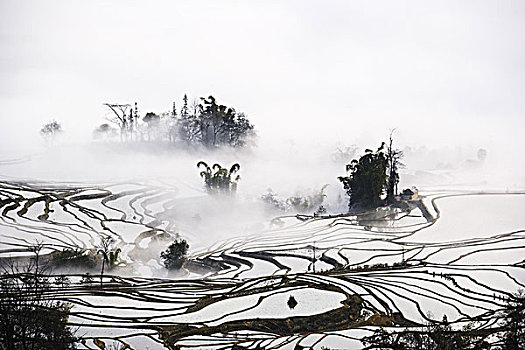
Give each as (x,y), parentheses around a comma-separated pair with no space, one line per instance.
(308,202)
(30,318)
(51,128)
(219,180)
(175,256)
(73,258)
(366,180)
(514,323)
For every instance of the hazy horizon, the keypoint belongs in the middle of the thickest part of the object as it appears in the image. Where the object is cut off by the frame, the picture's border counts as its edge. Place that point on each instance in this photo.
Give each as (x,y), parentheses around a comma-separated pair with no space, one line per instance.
(392,64)
(310,75)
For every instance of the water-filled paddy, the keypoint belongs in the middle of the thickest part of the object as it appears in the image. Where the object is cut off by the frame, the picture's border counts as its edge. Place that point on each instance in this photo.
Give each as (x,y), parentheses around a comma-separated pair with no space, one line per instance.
(463,263)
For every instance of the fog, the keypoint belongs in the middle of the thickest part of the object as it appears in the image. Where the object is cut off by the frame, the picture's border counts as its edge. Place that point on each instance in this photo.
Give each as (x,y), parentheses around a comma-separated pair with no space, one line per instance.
(313,77)
(442,73)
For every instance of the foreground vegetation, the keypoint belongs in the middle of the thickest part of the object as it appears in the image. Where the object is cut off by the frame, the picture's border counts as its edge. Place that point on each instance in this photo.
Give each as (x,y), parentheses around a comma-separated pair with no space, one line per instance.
(509,335)
(30,317)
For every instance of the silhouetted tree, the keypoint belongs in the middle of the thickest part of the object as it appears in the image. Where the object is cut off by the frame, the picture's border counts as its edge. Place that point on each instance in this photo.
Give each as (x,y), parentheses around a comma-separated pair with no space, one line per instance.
(367,179)
(304,203)
(189,130)
(174,110)
(435,336)
(110,255)
(394,157)
(30,317)
(513,338)
(151,119)
(203,123)
(219,180)
(220,125)
(104,131)
(272,202)
(184,111)
(51,130)
(175,256)
(121,118)
(239,129)
(153,122)
(73,258)
(53,127)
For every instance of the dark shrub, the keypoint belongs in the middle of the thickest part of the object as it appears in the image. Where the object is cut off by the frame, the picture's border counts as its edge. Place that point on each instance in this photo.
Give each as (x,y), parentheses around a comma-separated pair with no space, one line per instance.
(175,256)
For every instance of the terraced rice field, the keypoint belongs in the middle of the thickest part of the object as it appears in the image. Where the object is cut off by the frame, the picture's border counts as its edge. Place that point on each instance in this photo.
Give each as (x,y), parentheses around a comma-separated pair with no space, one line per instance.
(454,254)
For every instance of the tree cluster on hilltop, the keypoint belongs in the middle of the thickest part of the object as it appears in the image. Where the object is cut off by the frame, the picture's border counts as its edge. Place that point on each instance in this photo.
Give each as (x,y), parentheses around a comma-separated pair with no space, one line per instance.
(204,122)
(373,175)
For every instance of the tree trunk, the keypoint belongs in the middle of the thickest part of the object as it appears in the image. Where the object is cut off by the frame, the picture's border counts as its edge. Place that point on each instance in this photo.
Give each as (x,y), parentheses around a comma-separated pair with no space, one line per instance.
(102,272)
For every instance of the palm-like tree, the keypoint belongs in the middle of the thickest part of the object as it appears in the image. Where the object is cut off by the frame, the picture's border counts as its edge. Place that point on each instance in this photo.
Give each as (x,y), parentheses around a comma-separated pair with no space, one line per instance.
(206,174)
(110,255)
(218,179)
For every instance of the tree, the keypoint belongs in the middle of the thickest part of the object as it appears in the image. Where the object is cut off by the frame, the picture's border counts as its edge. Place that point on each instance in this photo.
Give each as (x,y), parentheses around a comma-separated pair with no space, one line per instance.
(219,180)
(514,323)
(184,110)
(110,255)
(203,123)
(121,118)
(175,256)
(239,129)
(153,122)
(174,110)
(188,124)
(72,258)
(104,131)
(30,316)
(367,179)
(434,336)
(151,119)
(211,121)
(51,130)
(304,203)
(394,157)
(172,124)
(220,125)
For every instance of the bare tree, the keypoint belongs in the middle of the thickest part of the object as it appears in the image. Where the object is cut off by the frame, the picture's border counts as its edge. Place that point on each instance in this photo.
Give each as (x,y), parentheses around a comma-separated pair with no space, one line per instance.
(30,315)
(394,157)
(121,118)
(110,255)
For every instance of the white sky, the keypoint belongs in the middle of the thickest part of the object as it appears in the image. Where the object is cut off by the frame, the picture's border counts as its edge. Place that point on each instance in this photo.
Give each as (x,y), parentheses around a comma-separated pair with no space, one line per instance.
(441,72)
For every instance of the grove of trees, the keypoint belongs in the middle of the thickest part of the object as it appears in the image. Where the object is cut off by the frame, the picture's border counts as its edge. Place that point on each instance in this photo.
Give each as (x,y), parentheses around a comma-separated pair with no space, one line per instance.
(203,123)
(366,180)
(219,180)
(30,317)
(508,334)
(371,176)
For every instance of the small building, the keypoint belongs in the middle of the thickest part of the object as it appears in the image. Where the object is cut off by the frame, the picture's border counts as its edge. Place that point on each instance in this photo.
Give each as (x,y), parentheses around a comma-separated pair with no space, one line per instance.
(409,194)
